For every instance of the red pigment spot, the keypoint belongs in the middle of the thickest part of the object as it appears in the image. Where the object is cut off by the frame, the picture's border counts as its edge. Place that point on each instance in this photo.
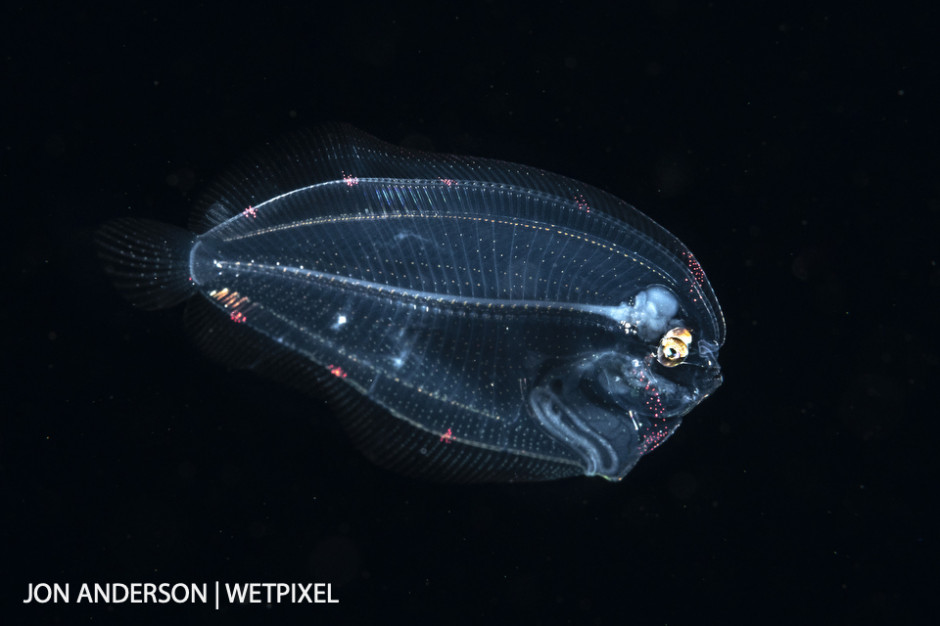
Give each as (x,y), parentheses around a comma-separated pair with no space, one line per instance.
(654,402)
(653,440)
(694,267)
(448,181)
(250,212)
(350,180)
(448,436)
(654,434)
(582,204)
(337,371)
(237,317)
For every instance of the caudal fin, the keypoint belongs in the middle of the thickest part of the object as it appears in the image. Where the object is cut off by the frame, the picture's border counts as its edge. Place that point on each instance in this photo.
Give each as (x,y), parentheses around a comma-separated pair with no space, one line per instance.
(148,261)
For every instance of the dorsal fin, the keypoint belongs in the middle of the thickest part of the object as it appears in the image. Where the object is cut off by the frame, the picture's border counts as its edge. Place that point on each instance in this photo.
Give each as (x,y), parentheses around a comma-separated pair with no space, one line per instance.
(301,158)
(335,151)
(206,218)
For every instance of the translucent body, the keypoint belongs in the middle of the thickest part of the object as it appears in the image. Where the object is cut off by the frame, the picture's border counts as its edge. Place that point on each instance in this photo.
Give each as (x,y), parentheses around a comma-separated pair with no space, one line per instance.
(506,317)
(474,319)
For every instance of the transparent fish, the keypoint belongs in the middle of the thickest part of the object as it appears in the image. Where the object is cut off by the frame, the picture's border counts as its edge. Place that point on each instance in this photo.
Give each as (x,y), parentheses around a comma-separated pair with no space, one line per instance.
(476,320)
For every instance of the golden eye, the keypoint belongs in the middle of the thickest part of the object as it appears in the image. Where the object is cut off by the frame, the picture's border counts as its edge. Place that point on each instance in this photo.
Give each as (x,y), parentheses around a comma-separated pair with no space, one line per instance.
(683,334)
(674,347)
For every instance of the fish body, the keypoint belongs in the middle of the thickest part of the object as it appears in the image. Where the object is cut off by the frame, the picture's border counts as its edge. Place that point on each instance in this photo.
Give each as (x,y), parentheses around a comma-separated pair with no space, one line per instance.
(478,320)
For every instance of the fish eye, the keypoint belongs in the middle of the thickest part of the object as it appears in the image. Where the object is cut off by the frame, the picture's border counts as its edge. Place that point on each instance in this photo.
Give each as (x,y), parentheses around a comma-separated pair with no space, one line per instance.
(674,347)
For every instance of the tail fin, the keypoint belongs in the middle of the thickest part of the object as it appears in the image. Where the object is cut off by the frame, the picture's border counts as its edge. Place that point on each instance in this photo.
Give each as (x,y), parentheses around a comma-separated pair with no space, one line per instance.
(148,261)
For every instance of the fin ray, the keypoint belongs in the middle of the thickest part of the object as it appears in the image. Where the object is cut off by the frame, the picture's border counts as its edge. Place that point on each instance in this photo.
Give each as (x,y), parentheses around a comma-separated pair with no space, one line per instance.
(147,261)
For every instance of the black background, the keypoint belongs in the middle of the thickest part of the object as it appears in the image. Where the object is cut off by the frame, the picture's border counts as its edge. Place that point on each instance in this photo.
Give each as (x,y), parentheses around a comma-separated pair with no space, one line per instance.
(792,147)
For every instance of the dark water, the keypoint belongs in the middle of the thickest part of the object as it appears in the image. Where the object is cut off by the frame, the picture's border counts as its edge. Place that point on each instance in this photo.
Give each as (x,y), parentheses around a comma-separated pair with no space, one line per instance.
(793,149)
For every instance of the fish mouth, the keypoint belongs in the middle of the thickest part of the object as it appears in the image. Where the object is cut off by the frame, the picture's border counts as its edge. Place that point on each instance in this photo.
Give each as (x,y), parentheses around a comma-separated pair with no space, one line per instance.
(711,380)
